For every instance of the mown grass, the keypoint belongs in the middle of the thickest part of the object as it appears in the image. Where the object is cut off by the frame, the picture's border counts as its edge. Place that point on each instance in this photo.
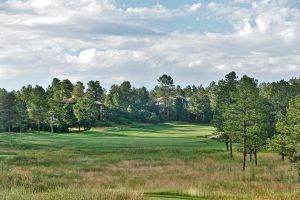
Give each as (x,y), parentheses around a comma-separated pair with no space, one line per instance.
(168,161)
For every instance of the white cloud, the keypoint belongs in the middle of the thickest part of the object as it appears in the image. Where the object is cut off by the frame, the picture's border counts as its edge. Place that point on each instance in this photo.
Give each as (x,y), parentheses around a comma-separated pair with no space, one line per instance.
(95,39)
(271,17)
(88,56)
(159,11)
(156,11)
(44,20)
(41,3)
(6,72)
(244,28)
(195,7)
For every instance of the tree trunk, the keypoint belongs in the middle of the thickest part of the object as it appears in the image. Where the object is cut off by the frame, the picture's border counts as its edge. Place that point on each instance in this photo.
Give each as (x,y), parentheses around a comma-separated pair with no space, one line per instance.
(230,147)
(9,129)
(168,114)
(244,153)
(250,156)
(39,127)
(226,142)
(255,157)
(51,128)
(282,156)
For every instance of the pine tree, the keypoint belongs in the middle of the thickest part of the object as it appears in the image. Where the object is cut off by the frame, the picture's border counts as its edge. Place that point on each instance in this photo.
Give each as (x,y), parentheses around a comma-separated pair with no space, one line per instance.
(224,99)
(8,109)
(38,106)
(288,141)
(246,118)
(86,112)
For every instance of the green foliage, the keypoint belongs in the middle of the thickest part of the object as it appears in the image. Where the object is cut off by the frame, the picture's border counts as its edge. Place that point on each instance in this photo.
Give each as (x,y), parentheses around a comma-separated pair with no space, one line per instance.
(180,109)
(224,102)
(287,140)
(68,115)
(8,109)
(199,106)
(165,81)
(165,95)
(78,90)
(22,116)
(224,92)
(279,95)
(66,89)
(86,112)
(247,118)
(154,118)
(38,106)
(95,91)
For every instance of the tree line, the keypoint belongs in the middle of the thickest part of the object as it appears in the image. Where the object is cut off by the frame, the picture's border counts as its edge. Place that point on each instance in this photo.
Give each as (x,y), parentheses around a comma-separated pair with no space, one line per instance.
(67,105)
(257,116)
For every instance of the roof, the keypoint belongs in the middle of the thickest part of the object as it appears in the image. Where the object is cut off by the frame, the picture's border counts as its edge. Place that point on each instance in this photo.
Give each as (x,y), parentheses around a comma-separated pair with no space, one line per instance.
(99,103)
(74,101)
(69,101)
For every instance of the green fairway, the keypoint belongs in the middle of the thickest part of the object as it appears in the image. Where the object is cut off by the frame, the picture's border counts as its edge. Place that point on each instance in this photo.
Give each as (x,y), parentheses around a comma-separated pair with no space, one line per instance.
(166,136)
(167,161)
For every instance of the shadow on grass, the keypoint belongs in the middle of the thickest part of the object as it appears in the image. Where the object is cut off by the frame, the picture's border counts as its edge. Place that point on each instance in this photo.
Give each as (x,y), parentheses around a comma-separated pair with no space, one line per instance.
(171,195)
(165,127)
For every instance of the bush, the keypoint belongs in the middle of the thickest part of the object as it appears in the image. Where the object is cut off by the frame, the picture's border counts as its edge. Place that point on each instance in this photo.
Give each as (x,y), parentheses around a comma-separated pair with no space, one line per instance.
(154,118)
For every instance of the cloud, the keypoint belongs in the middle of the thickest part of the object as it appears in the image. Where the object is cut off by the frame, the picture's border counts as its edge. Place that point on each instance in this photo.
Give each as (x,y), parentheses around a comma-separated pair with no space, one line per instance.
(106,58)
(194,7)
(259,16)
(98,39)
(157,11)
(87,56)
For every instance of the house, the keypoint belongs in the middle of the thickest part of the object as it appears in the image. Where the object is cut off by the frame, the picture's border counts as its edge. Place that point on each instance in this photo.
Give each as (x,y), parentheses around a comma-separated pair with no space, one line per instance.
(101,109)
(161,101)
(69,101)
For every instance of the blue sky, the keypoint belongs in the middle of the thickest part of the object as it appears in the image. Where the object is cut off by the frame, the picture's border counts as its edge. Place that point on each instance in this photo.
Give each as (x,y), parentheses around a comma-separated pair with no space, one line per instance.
(196,21)
(195,41)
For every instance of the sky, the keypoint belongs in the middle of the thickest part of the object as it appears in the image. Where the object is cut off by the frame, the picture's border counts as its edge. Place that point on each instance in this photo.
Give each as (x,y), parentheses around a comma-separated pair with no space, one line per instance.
(194,41)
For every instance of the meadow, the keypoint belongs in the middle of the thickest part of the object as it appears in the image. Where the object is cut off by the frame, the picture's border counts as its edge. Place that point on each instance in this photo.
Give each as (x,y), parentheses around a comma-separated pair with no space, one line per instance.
(166,161)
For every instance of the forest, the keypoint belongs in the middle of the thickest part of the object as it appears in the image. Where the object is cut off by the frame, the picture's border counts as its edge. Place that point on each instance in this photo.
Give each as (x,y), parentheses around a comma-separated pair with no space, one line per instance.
(257,117)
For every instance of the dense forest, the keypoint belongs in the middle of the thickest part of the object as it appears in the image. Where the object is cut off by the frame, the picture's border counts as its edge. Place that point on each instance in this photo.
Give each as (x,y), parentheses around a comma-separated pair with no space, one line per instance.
(258,116)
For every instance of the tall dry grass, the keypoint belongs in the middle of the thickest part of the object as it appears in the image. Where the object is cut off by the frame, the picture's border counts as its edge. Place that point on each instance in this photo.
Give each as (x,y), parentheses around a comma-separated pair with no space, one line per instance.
(206,174)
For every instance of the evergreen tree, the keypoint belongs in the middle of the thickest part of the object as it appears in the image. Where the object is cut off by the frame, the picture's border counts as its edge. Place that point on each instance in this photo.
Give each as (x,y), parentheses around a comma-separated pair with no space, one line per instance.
(287,142)
(181,110)
(8,109)
(165,94)
(66,89)
(224,99)
(95,91)
(22,117)
(246,118)
(199,106)
(38,106)
(78,90)
(86,113)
